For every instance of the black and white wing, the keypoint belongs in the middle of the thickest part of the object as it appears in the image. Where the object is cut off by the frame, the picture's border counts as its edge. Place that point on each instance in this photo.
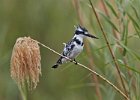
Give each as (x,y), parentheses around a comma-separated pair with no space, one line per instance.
(68,48)
(66,52)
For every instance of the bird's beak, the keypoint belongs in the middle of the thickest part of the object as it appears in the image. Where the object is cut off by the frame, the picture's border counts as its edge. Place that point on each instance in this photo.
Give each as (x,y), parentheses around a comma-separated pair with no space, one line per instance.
(92,36)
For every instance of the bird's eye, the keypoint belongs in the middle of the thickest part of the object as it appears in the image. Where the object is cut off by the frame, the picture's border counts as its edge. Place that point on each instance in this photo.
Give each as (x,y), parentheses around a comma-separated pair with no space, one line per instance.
(84,29)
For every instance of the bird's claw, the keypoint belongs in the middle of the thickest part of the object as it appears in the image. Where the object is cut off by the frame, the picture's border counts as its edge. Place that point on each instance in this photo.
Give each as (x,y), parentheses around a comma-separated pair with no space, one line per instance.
(75,62)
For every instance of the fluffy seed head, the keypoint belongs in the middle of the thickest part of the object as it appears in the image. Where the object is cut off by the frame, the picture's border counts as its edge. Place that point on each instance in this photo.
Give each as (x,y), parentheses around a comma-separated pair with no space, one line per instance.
(25,62)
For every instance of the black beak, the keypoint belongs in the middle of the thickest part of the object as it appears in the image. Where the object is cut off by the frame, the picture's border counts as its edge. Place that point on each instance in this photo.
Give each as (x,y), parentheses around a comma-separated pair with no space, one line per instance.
(92,36)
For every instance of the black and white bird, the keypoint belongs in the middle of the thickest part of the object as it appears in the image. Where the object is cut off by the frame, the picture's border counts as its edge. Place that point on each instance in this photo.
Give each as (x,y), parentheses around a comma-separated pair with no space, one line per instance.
(74,47)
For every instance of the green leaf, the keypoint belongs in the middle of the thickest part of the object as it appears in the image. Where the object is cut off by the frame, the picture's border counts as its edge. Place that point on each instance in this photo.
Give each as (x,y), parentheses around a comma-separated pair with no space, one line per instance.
(109,21)
(135,24)
(135,12)
(133,20)
(125,36)
(111,8)
(103,47)
(129,67)
(130,51)
(137,30)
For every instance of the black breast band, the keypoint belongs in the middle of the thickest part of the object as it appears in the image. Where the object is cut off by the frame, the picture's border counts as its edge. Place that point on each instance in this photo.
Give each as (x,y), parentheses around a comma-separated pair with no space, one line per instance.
(78,41)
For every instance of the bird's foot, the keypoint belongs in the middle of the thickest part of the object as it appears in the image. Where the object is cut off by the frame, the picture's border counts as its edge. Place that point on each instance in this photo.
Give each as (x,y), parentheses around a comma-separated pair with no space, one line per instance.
(75,62)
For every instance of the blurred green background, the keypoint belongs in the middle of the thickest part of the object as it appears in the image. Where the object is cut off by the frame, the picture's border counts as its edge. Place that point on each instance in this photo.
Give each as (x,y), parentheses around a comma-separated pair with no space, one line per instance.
(52,23)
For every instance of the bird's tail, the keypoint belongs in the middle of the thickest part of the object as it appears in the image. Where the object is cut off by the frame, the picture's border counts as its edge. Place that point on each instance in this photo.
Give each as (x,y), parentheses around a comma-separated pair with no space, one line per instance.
(55,66)
(59,62)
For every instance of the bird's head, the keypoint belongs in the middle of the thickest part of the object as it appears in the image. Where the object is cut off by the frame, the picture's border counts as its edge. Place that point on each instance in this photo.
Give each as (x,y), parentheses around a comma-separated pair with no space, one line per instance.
(83,32)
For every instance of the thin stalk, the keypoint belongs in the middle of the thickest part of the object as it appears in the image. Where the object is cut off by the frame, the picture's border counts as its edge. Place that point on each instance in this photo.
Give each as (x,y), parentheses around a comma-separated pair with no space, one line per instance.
(108,45)
(85,67)
(116,35)
(95,79)
(23,91)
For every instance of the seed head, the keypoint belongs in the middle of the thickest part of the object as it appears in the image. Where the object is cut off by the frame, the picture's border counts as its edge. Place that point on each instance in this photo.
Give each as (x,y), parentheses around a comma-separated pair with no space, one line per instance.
(25,62)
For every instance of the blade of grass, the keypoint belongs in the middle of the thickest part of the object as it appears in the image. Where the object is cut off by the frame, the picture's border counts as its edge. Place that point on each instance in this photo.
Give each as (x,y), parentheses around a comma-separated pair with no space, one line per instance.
(130,51)
(125,38)
(135,12)
(129,67)
(137,30)
(111,8)
(133,20)
(108,20)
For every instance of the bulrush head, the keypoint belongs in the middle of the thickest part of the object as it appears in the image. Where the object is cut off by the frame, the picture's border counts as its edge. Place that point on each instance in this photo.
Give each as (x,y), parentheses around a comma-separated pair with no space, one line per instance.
(25,62)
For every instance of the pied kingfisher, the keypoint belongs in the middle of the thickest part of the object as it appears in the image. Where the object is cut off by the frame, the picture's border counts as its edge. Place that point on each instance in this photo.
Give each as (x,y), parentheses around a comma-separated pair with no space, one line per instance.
(74,47)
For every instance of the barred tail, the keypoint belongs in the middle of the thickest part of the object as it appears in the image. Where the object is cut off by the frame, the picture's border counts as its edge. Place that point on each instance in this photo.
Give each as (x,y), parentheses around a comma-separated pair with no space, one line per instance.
(59,62)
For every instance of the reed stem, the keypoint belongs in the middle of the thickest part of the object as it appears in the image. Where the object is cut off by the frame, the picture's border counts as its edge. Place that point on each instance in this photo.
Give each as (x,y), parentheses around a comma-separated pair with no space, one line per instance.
(85,67)
(109,47)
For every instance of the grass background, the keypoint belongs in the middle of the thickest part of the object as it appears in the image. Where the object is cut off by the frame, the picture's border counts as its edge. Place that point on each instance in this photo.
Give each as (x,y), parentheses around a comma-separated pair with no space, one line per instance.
(52,22)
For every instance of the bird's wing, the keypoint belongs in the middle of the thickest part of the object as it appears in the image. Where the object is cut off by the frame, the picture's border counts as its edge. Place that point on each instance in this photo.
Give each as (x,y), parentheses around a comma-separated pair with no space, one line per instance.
(68,48)
(67,51)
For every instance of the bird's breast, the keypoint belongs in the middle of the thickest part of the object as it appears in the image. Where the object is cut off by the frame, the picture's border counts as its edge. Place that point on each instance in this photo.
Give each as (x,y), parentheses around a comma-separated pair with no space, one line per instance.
(76,51)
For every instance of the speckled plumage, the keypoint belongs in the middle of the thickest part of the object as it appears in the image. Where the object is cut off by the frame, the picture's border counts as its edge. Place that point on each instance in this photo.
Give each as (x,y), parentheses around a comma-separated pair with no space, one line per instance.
(74,47)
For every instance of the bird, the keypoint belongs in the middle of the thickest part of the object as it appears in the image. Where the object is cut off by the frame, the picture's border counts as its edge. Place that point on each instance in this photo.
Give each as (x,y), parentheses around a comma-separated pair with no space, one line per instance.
(75,46)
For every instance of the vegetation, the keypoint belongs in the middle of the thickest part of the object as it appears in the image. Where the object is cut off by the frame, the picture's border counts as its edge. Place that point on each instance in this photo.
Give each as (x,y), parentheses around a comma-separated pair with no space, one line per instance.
(113,60)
